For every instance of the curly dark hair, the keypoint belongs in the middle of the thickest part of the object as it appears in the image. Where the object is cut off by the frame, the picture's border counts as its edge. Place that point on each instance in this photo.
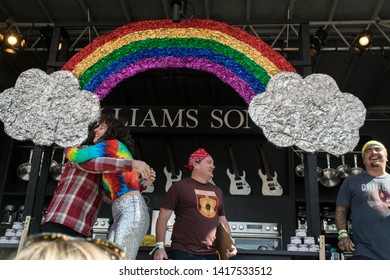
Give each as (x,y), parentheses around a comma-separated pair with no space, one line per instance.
(117,129)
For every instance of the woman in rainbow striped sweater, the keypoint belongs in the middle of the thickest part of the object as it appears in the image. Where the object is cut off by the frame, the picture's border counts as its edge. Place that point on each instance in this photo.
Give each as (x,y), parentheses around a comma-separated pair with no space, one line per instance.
(129,210)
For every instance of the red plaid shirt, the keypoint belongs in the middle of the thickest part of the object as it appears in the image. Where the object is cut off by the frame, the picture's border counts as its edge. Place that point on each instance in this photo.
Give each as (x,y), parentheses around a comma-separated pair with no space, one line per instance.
(78,197)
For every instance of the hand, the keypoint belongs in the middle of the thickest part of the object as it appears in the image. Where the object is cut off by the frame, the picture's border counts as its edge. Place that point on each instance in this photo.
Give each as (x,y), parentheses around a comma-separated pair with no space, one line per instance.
(152,177)
(345,244)
(160,254)
(146,182)
(231,252)
(142,168)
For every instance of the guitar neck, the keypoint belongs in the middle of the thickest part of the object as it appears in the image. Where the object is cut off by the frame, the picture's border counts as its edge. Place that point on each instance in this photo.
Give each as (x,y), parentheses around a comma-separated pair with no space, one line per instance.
(264,160)
(233,160)
(171,161)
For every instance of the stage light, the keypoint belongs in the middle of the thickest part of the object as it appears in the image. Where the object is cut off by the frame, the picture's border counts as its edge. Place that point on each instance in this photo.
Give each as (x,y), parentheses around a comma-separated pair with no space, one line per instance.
(178,9)
(12,40)
(12,43)
(317,41)
(362,42)
(365,39)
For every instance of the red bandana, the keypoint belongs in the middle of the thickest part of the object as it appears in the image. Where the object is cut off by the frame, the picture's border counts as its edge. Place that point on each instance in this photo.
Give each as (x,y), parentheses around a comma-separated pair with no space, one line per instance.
(196,156)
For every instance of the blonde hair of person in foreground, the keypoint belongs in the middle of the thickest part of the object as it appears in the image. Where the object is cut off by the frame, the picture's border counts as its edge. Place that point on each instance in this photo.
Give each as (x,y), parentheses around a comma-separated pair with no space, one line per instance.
(56,246)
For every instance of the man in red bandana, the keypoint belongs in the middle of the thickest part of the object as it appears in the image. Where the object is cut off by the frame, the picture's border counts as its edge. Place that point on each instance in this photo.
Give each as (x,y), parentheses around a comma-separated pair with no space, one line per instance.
(198,206)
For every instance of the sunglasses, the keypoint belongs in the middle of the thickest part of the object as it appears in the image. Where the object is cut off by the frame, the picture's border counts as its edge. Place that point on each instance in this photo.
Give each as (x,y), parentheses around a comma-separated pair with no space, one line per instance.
(115,253)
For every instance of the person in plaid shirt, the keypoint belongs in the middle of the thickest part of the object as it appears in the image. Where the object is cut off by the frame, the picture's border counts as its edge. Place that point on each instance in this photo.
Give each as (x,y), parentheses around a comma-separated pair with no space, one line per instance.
(129,210)
(78,197)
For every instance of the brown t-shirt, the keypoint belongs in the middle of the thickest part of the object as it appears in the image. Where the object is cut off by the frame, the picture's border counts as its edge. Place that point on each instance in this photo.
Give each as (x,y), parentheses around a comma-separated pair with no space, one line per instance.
(197,207)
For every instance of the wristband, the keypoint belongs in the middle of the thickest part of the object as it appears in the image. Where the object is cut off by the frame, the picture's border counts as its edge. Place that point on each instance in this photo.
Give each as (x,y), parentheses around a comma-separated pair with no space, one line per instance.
(159,245)
(342,231)
(142,181)
(342,235)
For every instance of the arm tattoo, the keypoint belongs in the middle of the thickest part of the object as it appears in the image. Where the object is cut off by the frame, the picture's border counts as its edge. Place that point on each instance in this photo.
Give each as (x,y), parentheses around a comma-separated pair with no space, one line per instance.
(341,217)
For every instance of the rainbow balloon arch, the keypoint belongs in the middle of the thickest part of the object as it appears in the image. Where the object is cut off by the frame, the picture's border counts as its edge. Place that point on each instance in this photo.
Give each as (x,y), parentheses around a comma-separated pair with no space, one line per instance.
(239,59)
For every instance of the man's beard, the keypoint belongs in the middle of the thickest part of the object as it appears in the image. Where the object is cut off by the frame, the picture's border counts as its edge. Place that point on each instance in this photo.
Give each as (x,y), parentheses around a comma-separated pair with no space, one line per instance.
(375,164)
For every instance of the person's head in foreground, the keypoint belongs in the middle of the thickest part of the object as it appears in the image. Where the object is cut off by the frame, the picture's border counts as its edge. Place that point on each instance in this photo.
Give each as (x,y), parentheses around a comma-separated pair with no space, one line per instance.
(56,246)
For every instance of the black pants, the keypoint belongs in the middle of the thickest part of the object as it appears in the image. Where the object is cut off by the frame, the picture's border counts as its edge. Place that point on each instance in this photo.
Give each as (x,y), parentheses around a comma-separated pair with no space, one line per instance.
(58,228)
(181,255)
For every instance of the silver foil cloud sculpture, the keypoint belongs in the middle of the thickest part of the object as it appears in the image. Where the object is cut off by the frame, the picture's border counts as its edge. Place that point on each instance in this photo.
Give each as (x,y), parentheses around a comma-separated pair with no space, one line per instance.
(310,113)
(48,109)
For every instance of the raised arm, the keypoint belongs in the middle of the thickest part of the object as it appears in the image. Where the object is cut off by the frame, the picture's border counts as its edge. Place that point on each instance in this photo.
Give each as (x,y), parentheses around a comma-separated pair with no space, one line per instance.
(114,165)
(108,148)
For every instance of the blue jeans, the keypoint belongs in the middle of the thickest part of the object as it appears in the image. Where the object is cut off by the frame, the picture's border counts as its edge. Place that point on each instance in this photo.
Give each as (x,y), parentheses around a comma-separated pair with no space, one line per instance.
(181,255)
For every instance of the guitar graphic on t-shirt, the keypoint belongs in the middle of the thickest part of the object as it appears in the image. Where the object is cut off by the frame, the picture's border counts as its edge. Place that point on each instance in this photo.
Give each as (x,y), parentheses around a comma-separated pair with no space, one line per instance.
(207,202)
(207,206)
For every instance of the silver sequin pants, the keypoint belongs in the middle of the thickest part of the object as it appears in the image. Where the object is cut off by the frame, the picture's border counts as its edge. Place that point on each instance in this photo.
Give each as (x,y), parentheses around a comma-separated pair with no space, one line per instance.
(131,223)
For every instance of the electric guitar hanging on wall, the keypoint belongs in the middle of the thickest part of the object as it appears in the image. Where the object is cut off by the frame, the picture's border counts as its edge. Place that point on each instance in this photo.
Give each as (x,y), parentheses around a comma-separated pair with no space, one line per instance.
(149,188)
(238,184)
(172,176)
(270,186)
